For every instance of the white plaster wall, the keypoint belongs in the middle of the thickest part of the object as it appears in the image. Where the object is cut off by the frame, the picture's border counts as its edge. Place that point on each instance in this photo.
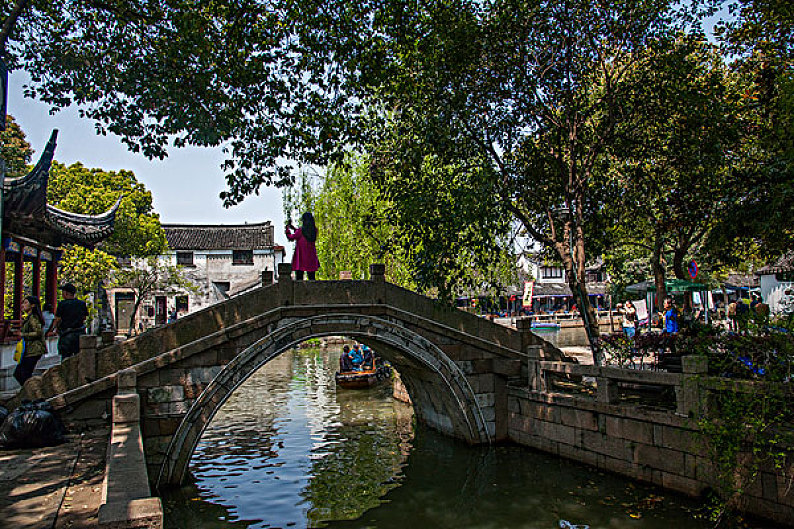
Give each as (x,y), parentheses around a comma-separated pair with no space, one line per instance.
(772,291)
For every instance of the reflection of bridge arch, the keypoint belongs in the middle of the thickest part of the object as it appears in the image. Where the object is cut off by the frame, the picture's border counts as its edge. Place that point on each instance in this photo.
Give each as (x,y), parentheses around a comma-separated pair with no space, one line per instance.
(454,410)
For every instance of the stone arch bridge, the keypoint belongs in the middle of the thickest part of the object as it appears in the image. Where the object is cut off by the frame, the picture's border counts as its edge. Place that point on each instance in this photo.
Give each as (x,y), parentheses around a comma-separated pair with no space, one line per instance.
(456,366)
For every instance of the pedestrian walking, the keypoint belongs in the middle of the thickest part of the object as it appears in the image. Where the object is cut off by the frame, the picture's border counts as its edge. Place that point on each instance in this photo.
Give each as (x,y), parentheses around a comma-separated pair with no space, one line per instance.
(49,318)
(69,321)
(32,332)
(629,318)
(305,257)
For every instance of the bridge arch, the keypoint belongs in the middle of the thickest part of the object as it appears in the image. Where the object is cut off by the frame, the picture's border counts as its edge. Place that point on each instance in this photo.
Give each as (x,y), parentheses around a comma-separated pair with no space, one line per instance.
(451,407)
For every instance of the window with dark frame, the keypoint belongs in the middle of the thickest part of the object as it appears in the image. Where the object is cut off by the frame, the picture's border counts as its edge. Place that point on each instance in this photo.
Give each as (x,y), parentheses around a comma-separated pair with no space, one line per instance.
(551,272)
(223,286)
(184,258)
(181,303)
(242,257)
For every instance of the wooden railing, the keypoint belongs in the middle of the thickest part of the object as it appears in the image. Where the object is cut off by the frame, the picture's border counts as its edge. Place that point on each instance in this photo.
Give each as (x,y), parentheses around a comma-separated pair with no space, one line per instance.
(9,330)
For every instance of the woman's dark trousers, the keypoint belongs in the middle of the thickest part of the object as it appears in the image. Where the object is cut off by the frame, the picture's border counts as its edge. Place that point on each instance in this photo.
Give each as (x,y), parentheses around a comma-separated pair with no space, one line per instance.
(25,368)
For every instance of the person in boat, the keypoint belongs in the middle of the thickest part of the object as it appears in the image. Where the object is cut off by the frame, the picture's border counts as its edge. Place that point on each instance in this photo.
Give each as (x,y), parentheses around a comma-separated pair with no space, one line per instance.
(356,357)
(345,362)
(369,357)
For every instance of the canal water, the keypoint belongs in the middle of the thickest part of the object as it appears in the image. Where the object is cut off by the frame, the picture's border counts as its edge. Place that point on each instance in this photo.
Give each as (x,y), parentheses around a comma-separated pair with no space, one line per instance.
(289,449)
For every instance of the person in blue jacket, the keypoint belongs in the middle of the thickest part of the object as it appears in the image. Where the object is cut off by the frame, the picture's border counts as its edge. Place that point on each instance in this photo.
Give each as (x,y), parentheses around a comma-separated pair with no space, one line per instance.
(356,357)
(369,358)
(670,317)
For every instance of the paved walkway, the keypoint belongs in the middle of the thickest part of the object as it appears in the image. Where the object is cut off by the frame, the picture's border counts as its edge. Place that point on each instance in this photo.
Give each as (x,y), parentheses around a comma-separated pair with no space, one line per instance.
(56,487)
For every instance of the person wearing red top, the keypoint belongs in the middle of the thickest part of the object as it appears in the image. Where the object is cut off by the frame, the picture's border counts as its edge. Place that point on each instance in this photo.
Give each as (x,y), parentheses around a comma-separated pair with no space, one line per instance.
(305,257)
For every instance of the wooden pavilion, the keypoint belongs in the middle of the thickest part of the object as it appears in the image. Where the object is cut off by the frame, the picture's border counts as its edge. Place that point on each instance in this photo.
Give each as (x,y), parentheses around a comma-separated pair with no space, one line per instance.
(34,232)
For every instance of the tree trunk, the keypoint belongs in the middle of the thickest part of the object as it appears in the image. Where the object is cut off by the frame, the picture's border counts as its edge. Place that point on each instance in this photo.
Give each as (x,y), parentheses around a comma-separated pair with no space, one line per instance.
(681,273)
(576,282)
(134,314)
(658,275)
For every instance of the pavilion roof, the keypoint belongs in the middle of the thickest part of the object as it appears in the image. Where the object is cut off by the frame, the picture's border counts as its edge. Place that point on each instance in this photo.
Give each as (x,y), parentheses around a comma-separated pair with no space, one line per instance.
(27,214)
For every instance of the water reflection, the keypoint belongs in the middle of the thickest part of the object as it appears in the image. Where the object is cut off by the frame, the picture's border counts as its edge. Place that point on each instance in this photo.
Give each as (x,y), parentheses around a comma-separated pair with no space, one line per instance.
(448,484)
(289,446)
(289,450)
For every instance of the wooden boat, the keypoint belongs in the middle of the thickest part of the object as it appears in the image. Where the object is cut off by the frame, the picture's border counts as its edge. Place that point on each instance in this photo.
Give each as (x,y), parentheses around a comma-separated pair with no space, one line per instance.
(362,379)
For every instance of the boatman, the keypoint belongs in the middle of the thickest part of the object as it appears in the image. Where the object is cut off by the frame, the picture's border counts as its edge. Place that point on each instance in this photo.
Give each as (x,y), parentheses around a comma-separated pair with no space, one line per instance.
(369,358)
(345,364)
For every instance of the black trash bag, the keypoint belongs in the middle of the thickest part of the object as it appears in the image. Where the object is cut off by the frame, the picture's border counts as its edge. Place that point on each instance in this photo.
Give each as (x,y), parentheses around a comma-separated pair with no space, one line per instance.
(3,414)
(32,425)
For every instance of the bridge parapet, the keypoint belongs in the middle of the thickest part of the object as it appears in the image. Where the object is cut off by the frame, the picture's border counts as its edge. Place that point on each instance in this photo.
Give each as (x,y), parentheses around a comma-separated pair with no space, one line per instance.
(127,502)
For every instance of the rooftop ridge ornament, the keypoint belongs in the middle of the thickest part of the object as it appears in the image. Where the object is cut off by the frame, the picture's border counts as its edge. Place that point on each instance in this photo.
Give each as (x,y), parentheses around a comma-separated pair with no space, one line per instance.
(28,194)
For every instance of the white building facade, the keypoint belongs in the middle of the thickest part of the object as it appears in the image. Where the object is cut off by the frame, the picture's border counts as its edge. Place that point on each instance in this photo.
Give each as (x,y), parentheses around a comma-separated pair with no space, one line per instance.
(777,284)
(219,260)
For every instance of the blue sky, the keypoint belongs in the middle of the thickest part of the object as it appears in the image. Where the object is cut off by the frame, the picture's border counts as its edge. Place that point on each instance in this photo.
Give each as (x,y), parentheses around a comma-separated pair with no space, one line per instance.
(185,185)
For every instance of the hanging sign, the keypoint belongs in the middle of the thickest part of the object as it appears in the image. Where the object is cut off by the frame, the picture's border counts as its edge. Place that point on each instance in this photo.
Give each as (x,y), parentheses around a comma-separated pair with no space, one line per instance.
(529,288)
(12,246)
(692,269)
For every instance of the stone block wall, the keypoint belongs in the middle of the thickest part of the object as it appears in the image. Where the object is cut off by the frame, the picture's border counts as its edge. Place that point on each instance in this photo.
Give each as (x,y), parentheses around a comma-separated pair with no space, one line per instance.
(657,447)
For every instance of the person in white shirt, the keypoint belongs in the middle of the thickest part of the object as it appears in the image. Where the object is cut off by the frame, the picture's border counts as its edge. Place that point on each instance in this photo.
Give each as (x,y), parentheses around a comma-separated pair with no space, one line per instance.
(49,317)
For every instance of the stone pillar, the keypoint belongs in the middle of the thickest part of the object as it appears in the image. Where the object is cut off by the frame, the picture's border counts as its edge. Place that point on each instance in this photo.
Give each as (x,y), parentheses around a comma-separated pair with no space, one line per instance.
(87,359)
(267,277)
(687,395)
(285,284)
(108,338)
(607,390)
(528,339)
(377,274)
(537,379)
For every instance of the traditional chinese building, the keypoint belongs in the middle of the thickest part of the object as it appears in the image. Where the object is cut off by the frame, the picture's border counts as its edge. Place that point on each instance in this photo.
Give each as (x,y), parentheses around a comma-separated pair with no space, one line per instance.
(220,260)
(33,233)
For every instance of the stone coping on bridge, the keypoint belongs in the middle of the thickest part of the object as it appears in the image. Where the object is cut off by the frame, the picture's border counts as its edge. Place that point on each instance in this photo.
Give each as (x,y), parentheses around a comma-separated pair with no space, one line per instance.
(127,502)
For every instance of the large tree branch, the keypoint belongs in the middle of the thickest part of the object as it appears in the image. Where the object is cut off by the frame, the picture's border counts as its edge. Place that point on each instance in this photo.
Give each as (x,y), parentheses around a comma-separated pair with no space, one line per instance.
(10,23)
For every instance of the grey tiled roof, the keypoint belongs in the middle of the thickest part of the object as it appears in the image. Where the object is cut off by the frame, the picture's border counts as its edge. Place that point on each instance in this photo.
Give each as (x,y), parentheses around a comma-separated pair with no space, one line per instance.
(219,237)
(27,214)
(784,264)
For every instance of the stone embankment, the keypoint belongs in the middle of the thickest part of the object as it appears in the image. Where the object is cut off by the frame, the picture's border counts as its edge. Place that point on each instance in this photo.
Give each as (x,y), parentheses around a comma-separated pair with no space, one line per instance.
(659,446)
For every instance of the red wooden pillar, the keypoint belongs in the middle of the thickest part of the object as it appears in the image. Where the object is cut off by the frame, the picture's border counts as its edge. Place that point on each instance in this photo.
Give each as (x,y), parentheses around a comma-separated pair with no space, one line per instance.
(19,284)
(50,284)
(37,276)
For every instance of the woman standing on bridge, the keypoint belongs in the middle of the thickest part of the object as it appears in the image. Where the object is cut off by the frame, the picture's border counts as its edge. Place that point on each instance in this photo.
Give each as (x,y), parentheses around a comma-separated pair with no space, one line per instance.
(305,257)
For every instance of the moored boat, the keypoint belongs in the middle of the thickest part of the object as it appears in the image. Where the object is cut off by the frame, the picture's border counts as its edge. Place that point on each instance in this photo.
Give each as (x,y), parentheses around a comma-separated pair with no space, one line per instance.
(362,379)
